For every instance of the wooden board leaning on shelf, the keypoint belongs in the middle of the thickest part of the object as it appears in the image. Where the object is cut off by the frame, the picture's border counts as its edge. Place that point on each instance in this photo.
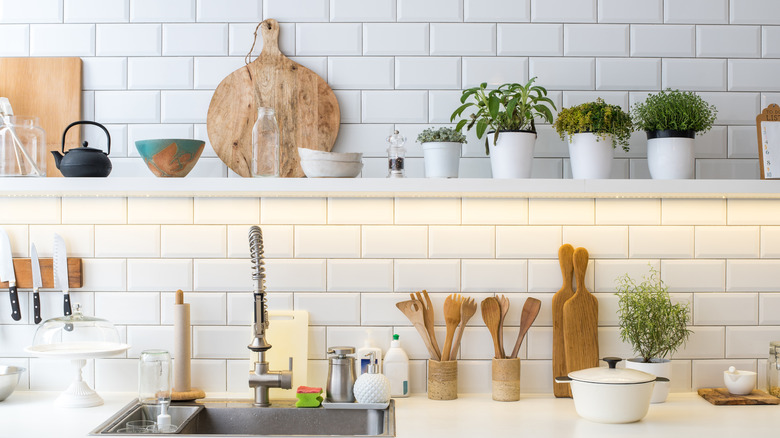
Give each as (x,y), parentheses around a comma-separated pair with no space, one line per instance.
(768,130)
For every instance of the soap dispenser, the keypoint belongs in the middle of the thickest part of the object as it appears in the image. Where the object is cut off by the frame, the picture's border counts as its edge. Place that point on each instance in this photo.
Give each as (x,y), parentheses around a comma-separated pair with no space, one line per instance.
(372,387)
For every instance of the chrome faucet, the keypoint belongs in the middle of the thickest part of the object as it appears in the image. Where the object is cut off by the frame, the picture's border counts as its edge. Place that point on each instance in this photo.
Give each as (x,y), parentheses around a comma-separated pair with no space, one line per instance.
(261,379)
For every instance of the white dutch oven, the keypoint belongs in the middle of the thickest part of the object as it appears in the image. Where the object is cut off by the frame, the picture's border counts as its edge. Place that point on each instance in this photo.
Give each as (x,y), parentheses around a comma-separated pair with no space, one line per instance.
(611,395)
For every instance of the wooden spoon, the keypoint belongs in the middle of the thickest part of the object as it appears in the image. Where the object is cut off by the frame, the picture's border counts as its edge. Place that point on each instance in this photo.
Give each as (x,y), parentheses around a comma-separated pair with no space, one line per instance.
(428,314)
(467,309)
(491,314)
(503,303)
(451,318)
(413,310)
(530,311)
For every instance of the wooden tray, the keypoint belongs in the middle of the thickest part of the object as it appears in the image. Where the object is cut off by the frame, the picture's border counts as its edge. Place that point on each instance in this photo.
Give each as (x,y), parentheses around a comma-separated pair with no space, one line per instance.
(721,396)
(23,271)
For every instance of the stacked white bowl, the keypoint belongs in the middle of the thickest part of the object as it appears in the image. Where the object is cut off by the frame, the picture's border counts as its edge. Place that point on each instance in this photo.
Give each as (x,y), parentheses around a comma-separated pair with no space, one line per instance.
(320,164)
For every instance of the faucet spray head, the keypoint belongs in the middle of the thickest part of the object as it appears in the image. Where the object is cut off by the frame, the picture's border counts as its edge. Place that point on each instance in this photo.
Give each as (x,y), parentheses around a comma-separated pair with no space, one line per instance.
(256,253)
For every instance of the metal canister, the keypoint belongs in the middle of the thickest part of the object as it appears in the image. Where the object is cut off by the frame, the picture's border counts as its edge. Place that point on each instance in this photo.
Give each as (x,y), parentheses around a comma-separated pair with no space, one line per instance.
(341,375)
(773,369)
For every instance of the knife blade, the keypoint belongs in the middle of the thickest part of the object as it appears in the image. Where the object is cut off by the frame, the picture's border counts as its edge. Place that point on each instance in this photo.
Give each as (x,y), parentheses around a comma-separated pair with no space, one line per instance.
(60,269)
(7,273)
(35,266)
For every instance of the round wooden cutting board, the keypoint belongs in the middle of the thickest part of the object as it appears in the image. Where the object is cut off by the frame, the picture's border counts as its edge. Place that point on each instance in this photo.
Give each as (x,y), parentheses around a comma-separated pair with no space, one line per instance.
(306,108)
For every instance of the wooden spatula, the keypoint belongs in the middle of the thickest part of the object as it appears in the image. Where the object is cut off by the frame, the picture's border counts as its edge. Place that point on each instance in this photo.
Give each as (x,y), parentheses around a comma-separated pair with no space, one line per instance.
(428,315)
(580,321)
(530,311)
(451,318)
(413,310)
(491,314)
(503,303)
(565,254)
(467,310)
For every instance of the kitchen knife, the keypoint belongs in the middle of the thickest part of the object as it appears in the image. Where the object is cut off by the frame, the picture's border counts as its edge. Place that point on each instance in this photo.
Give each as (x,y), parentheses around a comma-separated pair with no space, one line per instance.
(35,266)
(7,273)
(61,271)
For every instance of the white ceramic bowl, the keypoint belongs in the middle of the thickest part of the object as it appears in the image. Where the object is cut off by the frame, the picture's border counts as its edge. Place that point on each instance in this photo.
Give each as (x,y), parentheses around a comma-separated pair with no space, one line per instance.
(311,154)
(739,382)
(331,169)
(9,377)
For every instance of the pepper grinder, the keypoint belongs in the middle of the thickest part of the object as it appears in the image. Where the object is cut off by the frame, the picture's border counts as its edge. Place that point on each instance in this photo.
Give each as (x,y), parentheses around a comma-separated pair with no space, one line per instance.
(396,155)
(341,375)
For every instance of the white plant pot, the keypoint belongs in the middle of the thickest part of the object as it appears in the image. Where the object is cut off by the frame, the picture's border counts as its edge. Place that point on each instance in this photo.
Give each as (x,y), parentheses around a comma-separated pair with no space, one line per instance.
(441,159)
(591,156)
(658,368)
(670,157)
(513,154)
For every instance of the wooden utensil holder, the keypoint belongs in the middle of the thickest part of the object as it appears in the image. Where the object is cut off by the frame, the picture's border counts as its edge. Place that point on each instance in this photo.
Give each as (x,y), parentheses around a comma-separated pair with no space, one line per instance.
(442,380)
(506,379)
(23,272)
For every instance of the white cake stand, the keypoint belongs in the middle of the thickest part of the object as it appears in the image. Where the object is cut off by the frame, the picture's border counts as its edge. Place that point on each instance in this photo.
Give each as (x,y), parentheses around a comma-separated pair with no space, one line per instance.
(78,394)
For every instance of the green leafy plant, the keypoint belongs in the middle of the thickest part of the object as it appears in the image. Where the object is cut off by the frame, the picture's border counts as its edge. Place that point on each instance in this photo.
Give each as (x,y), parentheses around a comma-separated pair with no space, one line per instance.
(598,118)
(649,321)
(676,110)
(510,107)
(432,135)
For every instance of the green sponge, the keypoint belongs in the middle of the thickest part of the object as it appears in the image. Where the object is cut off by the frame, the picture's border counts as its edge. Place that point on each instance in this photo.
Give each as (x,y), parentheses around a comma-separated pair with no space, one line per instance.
(308,397)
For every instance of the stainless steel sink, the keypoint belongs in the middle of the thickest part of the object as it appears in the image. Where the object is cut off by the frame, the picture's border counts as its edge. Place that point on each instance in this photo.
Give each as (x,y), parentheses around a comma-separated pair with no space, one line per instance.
(241,418)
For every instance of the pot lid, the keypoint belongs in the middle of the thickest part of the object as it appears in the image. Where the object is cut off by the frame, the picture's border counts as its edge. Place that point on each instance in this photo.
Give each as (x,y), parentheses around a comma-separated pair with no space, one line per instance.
(611,375)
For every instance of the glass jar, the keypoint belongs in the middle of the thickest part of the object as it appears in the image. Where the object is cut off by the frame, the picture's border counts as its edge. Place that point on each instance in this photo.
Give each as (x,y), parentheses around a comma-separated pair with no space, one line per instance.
(154,377)
(773,369)
(396,155)
(265,144)
(22,147)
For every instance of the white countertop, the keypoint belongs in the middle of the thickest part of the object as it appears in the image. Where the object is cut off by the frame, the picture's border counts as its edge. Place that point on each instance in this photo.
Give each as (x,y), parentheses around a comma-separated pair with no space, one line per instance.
(33,414)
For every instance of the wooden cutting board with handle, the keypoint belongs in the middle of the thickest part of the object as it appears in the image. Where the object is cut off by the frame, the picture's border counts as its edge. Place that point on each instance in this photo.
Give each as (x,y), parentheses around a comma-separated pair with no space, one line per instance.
(580,320)
(306,108)
(50,89)
(565,254)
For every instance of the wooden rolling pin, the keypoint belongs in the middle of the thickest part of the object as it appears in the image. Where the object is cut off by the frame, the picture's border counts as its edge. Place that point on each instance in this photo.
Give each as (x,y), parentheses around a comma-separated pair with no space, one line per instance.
(182,352)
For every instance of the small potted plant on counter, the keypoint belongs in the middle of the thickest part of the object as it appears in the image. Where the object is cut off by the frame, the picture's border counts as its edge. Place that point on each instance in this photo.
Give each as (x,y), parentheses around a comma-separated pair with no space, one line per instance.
(506,115)
(653,325)
(672,118)
(594,130)
(441,151)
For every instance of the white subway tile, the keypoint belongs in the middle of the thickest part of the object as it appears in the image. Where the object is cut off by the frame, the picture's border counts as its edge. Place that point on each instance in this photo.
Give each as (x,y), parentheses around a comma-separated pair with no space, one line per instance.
(539,343)
(128,39)
(96,11)
(631,11)
(145,132)
(159,275)
(330,308)
(229,10)
(753,212)
(536,377)
(709,373)
(162,12)
(29,210)
(628,74)
(477,343)
(360,72)
(127,106)
(129,307)
(463,39)
(696,11)
(396,39)
(157,73)
(458,242)
(768,309)
(431,10)
(394,241)
(94,210)
(728,41)
(752,275)
(352,137)
(32,11)
(564,73)
(213,342)
(754,74)
(528,241)
(379,309)
(713,144)
(143,338)
(209,167)
(16,338)
(411,341)
(474,377)
(227,210)
(88,105)
(127,241)
(296,275)
(17,234)
(569,11)
(725,309)
(241,36)
(769,42)
(413,211)
(188,106)
(293,211)
(497,10)
(209,375)
(195,39)
(395,106)
(62,40)
(726,169)
(196,241)
(601,241)
(299,11)
(694,74)
(79,239)
(317,342)
(494,276)
(734,108)
(754,12)
(224,275)
(427,73)
(662,40)
(704,343)
(596,40)
(349,105)
(240,306)
(159,210)
(496,71)
(50,375)
(328,39)
(608,310)
(607,272)
(693,212)
(694,275)
(116,375)
(360,275)
(477,211)
(742,141)
(16,39)
(104,274)
(727,242)
(770,242)
(530,39)
(660,242)
(749,342)
(366,211)
(104,73)
(432,275)
(205,308)
(327,241)
(628,211)
(561,212)
(210,71)
(360,11)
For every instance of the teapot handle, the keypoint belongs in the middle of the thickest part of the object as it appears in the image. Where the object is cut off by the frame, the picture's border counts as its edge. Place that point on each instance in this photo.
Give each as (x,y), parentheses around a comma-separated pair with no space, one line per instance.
(87,122)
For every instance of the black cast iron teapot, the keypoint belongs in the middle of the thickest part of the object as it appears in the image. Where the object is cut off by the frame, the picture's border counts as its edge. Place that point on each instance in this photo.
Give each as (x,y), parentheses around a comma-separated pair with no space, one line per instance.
(83,161)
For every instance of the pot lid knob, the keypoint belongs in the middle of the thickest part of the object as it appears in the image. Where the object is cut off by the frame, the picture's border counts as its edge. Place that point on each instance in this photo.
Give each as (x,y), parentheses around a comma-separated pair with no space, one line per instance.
(612,361)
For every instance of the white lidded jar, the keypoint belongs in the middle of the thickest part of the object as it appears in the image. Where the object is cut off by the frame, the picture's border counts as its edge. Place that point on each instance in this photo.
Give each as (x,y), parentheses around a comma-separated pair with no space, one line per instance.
(396,368)
(372,387)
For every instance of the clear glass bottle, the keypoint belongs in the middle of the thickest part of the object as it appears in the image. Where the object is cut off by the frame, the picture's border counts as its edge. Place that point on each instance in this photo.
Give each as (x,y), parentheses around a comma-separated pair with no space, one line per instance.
(154,377)
(265,144)
(22,147)
(773,369)
(396,155)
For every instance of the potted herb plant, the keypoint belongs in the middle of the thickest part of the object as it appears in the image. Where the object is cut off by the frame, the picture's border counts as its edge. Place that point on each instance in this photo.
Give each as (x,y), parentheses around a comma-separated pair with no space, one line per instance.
(441,151)
(653,325)
(672,118)
(508,113)
(594,130)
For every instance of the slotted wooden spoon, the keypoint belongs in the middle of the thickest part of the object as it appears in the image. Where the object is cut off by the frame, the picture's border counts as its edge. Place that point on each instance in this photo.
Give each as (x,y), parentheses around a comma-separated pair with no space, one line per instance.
(428,315)
(467,309)
(451,318)
(491,314)
(530,311)
(413,310)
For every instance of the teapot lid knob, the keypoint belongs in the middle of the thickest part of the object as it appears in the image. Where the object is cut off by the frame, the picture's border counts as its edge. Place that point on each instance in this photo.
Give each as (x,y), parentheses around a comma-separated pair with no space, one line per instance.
(84,143)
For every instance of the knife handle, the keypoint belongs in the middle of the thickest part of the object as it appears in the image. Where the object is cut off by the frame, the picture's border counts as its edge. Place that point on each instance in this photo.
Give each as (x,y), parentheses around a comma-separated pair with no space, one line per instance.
(16,314)
(37,306)
(66,305)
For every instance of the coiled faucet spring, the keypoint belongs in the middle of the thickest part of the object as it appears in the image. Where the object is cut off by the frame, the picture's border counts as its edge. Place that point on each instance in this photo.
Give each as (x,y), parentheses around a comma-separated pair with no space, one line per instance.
(256,254)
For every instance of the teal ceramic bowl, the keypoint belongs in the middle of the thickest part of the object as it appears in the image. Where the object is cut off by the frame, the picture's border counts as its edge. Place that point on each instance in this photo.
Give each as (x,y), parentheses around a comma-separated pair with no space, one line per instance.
(170,157)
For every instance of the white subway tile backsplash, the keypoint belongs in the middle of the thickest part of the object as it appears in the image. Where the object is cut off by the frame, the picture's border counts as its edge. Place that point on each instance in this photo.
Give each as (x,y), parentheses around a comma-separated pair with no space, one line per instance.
(662,40)
(432,275)
(129,39)
(352,138)
(159,275)
(104,73)
(595,40)
(749,342)
(477,211)
(196,241)
(330,308)
(62,40)
(528,241)
(33,11)
(360,275)
(768,308)
(294,275)
(754,12)
(557,211)
(132,308)
(349,105)
(379,309)
(188,106)
(49,375)
(728,41)
(229,10)
(360,72)
(241,36)
(195,39)
(104,274)
(696,11)
(29,211)
(753,212)
(497,10)
(143,338)
(742,141)
(328,39)
(693,212)
(391,241)
(396,39)
(753,74)
(660,242)
(423,211)
(463,39)
(116,375)
(127,106)
(601,241)
(530,39)
(564,73)
(79,239)
(16,38)
(327,241)
(226,211)
(425,73)
(17,234)
(210,71)
(367,211)
(156,11)
(212,342)
(159,210)
(432,10)
(293,211)
(628,212)
(493,276)
(709,373)
(727,169)
(770,242)
(96,11)
(300,11)
(205,308)
(694,275)
(223,275)
(694,74)
(734,108)
(769,41)
(159,72)
(628,74)
(725,309)
(727,242)
(461,242)
(569,11)
(358,10)
(127,241)
(752,275)
(395,106)
(607,272)
(630,11)
(704,343)
(496,71)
